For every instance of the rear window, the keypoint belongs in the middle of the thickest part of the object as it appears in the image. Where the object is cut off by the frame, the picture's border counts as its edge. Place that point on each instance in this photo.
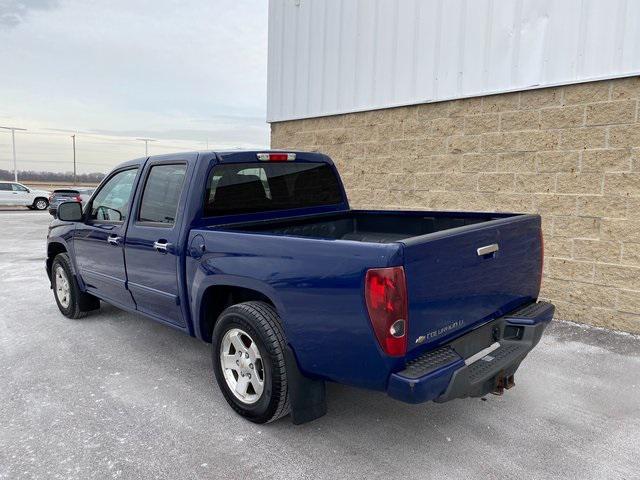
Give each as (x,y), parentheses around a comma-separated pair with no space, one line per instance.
(66,192)
(246,188)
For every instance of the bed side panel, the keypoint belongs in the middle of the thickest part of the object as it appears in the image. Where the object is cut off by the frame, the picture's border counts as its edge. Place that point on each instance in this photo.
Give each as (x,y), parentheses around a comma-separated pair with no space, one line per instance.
(318,285)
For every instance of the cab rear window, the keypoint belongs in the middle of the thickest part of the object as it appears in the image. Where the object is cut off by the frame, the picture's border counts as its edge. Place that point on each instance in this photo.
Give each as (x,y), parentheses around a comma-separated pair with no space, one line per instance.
(248,187)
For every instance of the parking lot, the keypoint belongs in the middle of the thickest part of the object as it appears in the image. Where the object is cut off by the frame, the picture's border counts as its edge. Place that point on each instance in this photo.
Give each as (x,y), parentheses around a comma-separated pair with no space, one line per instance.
(115,395)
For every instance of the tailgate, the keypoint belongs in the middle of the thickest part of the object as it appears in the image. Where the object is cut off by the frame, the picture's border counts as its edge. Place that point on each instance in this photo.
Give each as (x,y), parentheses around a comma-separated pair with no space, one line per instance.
(453,286)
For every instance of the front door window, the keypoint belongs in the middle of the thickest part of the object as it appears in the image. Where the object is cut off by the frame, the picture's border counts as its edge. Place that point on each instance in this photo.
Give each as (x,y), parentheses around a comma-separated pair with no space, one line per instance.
(111,203)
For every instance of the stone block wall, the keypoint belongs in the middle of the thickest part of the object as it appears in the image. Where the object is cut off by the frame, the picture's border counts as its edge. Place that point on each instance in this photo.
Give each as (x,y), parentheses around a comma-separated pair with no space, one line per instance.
(571,154)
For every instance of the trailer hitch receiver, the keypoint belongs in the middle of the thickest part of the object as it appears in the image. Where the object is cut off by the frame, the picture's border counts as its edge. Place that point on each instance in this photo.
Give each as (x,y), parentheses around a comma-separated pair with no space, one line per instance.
(503,383)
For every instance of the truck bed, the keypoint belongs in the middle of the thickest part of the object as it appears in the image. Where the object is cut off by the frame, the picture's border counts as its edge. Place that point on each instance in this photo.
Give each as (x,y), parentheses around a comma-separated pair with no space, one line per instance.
(462,268)
(368,226)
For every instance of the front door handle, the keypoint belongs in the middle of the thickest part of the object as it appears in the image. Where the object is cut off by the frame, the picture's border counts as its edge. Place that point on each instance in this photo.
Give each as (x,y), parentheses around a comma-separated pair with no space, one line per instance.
(161,246)
(113,240)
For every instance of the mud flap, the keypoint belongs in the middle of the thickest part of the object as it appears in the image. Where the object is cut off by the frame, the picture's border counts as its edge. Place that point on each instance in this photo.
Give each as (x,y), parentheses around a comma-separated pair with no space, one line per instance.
(87,302)
(306,396)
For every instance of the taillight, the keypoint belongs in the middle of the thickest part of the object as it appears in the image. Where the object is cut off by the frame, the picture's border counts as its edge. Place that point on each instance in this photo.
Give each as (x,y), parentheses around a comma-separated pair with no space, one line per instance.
(276,157)
(78,198)
(385,292)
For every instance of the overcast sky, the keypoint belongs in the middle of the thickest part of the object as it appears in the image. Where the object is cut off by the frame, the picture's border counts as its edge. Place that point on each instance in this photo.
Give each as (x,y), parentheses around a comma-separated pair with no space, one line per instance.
(179,71)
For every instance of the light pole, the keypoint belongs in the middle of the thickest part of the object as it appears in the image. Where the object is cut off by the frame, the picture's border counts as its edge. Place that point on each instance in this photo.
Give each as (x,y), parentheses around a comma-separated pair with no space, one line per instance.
(146,144)
(73,137)
(13,142)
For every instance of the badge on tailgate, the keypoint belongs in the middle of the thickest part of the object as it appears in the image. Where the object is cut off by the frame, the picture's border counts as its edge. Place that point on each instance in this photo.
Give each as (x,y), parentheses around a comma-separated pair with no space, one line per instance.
(440,331)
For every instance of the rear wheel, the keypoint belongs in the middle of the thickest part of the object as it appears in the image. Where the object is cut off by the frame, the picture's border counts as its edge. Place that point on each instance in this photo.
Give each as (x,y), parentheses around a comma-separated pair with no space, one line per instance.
(248,361)
(40,204)
(72,302)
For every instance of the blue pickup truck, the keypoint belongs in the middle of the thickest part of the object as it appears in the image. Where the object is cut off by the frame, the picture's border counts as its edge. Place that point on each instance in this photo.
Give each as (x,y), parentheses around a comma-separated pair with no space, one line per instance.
(259,254)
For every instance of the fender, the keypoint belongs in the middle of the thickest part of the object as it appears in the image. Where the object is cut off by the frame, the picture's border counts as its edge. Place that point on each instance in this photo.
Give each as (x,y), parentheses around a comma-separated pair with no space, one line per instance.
(202,281)
(69,248)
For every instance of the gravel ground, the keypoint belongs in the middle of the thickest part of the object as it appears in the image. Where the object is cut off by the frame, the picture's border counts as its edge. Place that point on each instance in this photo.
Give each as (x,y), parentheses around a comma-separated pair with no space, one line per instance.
(118,396)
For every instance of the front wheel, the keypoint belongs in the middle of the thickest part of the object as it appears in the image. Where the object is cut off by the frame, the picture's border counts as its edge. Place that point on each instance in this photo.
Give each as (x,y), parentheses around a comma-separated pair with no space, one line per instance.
(40,203)
(72,302)
(248,361)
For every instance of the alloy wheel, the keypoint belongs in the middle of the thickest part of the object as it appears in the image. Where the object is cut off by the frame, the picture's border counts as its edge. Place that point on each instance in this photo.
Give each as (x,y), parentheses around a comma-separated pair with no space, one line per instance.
(241,363)
(63,288)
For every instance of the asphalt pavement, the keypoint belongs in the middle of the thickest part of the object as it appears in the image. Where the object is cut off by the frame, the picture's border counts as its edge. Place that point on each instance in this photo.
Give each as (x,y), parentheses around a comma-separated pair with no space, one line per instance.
(115,395)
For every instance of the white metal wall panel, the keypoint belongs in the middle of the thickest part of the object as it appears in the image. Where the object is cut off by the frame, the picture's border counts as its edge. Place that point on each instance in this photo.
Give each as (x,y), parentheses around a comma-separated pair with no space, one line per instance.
(337,56)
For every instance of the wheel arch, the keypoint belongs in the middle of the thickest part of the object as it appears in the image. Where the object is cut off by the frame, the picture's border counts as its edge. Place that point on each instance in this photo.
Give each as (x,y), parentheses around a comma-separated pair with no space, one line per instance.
(54,248)
(216,296)
(40,197)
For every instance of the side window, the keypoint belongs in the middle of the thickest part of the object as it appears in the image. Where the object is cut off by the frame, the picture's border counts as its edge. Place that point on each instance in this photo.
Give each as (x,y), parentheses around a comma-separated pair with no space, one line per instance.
(112,201)
(18,188)
(5,187)
(162,193)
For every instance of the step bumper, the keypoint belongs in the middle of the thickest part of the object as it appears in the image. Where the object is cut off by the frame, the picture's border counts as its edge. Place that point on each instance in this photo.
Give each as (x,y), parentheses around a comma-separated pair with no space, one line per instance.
(480,362)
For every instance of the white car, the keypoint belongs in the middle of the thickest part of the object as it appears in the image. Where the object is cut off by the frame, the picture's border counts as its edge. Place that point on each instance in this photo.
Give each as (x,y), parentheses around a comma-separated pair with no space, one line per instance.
(13,193)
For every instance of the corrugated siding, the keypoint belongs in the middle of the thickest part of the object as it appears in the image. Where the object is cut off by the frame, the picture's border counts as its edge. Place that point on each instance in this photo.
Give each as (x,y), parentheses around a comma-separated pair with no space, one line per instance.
(337,56)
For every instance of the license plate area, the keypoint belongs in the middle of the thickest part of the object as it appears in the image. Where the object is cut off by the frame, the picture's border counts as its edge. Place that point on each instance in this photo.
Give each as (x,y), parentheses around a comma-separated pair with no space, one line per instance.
(478,339)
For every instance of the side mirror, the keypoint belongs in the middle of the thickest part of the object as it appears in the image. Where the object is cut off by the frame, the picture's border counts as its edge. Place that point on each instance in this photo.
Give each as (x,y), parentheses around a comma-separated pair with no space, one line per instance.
(69,212)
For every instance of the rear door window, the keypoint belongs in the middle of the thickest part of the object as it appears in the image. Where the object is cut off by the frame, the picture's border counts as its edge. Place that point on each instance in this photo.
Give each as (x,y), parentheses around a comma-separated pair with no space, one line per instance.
(162,193)
(245,188)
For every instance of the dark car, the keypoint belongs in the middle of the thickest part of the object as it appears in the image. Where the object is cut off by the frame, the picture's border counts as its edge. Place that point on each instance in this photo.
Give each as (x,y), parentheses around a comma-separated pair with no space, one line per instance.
(260,254)
(68,195)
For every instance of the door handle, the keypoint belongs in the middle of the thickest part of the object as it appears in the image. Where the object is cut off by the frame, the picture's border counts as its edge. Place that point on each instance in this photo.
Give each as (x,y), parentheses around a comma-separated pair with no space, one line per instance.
(488,249)
(161,246)
(113,240)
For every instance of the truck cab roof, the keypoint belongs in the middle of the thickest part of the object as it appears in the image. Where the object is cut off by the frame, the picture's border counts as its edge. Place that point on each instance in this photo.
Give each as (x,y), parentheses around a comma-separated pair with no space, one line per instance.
(227,156)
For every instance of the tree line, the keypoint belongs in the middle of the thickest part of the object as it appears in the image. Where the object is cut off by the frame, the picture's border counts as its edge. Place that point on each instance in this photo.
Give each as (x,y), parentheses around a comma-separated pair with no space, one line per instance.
(53,177)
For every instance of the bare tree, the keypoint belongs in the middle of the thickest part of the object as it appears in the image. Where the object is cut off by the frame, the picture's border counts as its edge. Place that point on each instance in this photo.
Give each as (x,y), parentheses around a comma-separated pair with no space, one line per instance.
(53,177)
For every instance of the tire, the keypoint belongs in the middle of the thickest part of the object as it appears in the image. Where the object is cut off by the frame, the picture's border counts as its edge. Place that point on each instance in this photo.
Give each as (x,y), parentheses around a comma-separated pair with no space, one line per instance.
(261,324)
(71,302)
(40,203)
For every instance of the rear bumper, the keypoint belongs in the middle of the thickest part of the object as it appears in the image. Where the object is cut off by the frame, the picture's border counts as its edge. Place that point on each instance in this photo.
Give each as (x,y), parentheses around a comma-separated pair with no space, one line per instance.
(476,363)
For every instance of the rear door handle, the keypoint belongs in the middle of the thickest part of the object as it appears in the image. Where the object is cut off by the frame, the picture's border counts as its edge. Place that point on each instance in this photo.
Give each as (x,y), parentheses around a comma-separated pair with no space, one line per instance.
(161,246)
(114,240)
